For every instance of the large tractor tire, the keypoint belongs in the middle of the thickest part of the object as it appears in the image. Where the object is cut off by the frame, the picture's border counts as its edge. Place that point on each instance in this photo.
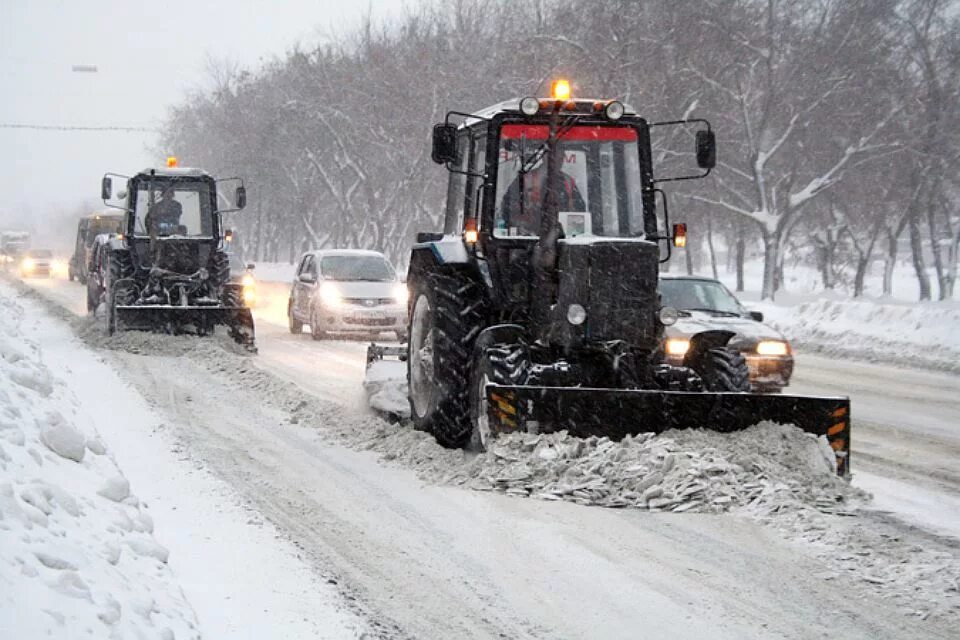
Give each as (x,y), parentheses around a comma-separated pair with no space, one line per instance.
(724,369)
(120,267)
(446,315)
(507,364)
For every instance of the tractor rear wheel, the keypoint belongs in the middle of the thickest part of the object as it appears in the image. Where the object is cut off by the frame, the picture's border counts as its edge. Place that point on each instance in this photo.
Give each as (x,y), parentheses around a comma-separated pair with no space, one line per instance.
(447,314)
(724,369)
(120,267)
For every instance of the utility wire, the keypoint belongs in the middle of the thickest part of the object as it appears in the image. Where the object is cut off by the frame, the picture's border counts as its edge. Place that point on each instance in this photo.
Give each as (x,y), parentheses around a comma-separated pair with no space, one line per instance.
(56,127)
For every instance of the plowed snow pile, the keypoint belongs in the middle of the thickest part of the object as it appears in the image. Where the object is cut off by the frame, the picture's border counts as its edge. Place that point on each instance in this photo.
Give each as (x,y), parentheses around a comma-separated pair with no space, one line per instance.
(77,552)
(767,468)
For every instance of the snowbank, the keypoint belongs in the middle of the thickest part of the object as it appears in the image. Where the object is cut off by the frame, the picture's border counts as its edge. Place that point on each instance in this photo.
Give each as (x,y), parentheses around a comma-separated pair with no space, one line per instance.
(77,552)
(918,334)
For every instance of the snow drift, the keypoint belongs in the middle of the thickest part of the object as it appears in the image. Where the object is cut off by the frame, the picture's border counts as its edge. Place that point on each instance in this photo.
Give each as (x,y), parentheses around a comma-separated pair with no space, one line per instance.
(77,554)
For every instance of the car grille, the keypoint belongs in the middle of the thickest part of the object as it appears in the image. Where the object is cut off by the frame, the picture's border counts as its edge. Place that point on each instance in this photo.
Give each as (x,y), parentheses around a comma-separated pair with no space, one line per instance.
(371,322)
(368,302)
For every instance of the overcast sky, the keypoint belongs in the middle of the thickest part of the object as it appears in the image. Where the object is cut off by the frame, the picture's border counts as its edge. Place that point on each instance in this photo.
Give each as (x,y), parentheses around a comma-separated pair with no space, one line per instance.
(148,55)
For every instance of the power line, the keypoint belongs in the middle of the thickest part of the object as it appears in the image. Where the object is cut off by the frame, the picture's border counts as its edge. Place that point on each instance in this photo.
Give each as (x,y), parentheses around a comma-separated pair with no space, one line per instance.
(58,127)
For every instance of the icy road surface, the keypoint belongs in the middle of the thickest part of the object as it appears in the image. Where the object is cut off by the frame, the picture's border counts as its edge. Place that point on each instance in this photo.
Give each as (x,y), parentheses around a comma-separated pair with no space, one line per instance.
(435,561)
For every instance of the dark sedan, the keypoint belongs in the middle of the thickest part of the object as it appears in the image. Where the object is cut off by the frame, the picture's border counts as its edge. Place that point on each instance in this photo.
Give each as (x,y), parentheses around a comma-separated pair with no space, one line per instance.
(705,304)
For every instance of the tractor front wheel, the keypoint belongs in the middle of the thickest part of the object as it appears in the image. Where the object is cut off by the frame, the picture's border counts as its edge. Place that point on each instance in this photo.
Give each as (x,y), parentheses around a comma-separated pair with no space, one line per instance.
(724,369)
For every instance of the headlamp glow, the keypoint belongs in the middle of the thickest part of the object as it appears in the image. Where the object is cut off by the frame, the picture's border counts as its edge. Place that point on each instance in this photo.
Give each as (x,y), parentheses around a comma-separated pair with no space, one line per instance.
(772,348)
(677,346)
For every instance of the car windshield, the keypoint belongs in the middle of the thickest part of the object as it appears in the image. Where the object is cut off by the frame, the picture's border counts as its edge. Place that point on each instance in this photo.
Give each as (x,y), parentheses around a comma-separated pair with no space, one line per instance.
(40,253)
(704,295)
(354,268)
(173,208)
(595,198)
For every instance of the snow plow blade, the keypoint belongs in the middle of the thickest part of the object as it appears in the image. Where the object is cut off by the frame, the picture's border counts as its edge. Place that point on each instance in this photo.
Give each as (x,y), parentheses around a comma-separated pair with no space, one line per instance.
(197,320)
(377,352)
(615,413)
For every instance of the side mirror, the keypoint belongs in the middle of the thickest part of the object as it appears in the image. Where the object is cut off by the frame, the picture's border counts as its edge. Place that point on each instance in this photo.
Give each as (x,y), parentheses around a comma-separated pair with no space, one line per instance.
(706,150)
(106,188)
(250,266)
(309,278)
(241,197)
(444,143)
(756,315)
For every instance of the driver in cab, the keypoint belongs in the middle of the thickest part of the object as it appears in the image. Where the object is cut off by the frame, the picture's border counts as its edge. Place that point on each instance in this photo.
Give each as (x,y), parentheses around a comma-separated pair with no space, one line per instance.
(163,218)
(526,218)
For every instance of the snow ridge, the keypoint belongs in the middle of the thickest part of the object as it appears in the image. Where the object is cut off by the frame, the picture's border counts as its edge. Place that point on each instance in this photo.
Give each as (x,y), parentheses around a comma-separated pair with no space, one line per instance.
(77,552)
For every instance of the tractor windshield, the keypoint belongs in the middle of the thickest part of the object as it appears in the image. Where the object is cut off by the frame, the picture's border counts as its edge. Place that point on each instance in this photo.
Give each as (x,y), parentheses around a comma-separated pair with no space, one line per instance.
(174,208)
(599,188)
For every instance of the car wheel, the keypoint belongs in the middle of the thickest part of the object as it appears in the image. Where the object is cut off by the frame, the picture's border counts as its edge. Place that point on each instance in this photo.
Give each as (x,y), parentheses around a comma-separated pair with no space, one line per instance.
(296,327)
(315,331)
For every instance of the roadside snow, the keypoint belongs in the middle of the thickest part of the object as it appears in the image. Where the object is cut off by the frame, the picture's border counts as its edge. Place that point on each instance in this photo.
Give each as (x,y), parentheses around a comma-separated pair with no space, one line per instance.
(240,575)
(917,334)
(77,552)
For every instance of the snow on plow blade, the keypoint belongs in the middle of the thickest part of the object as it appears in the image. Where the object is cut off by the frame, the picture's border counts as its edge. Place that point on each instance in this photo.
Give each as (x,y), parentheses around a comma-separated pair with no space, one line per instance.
(615,413)
(200,320)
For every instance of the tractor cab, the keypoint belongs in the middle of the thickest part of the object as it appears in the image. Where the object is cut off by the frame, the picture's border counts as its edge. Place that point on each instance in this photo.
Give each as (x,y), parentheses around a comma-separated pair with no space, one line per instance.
(557,199)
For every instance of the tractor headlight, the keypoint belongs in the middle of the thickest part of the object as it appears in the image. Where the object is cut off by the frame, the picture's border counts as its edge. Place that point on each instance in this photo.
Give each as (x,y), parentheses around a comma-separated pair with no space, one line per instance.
(529,106)
(773,348)
(576,314)
(329,295)
(677,346)
(668,316)
(400,293)
(614,110)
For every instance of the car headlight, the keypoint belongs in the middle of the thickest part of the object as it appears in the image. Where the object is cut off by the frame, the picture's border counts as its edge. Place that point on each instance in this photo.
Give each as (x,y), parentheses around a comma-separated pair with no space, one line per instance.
(329,295)
(677,346)
(772,348)
(400,293)
(28,264)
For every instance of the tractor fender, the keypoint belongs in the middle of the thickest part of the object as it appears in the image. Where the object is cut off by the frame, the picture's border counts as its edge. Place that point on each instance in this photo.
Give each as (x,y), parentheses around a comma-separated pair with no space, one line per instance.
(702,342)
(449,249)
(501,333)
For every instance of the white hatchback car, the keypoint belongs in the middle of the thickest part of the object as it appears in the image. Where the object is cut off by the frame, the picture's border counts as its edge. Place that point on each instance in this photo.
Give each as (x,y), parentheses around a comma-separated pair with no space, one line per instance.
(347,291)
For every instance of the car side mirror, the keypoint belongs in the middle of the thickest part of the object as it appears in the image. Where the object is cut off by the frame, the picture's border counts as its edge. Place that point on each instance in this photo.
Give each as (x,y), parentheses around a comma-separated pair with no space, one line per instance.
(706,149)
(240,197)
(250,266)
(309,278)
(106,188)
(444,143)
(756,315)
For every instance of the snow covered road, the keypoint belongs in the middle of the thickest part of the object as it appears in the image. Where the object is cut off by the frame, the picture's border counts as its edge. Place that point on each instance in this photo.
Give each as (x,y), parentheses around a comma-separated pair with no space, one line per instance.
(906,438)
(436,561)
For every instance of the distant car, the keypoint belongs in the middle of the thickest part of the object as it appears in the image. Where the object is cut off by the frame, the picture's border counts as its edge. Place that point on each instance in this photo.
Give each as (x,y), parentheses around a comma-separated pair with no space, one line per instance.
(705,304)
(242,273)
(36,263)
(347,291)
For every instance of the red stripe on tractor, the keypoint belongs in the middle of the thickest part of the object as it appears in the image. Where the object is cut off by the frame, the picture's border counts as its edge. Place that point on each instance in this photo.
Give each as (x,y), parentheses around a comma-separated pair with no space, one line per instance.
(576,134)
